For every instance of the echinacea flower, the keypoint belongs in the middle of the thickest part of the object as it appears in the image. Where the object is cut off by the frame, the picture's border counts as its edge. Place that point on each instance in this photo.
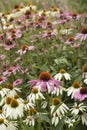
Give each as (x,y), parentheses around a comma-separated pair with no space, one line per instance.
(18,98)
(84,72)
(30,120)
(45,82)
(12,125)
(9,45)
(7,125)
(66,31)
(59,112)
(44,104)
(14,109)
(85,81)
(25,49)
(49,34)
(79,113)
(55,12)
(2,79)
(75,87)
(69,121)
(56,91)
(17,82)
(28,105)
(62,74)
(81,94)
(82,35)
(70,41)
(12,90)
(3,92)
(76,108)
(2,57)
(2,114)
(75,16)
(35,95)
(11,70)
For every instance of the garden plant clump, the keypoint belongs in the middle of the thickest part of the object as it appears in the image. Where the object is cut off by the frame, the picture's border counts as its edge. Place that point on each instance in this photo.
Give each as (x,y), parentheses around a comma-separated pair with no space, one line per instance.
(43,69)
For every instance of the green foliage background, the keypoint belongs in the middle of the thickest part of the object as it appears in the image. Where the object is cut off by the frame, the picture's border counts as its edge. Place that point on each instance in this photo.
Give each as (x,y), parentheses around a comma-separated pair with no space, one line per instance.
(74,5)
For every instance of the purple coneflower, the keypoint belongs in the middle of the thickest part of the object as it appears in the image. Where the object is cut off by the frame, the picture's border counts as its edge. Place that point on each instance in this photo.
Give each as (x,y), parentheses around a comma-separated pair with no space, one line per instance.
(11,70)
(24,49)
(81,94)
(82,35)
(46,82)
(17,82)
(2,79)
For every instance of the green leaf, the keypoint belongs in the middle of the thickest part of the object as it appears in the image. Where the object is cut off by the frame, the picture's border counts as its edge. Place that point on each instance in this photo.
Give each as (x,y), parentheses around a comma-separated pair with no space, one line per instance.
(61,60)
(60,124)
(81,127)
(43,117)
(28,128)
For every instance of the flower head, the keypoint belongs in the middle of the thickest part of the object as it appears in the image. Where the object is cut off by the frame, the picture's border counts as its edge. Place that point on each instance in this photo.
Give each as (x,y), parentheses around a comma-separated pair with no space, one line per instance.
(7,125)
(2,79)
(81,94)
(24,49)
(12,90)
(35,95)
(14,109)
(79,112)
(17,82)
(59,112)
(84,70)
(83,34)
(62,73)
(71,90)
(45,82)
(11,70)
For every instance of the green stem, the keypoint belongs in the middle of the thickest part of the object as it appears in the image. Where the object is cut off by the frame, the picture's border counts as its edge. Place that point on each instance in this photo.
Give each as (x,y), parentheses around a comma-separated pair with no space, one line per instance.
(49,111)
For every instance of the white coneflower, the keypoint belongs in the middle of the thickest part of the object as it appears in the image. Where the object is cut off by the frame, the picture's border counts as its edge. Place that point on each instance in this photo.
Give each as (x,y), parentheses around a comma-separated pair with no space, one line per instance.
(55,120)
(1,114)
(7,125)
(85,81)
(79,113)
(62,74)
(12,125)
(35,95)
(2,101)
(30,120)
(59,112)
(3,91)
(66,31)
(18,98)
(6,106)
(84,74)
(44,104)
(3,124)
(71,90)
(77,108)
(12,90)
(55,11)
(69,121)
(14,109)
(28,105)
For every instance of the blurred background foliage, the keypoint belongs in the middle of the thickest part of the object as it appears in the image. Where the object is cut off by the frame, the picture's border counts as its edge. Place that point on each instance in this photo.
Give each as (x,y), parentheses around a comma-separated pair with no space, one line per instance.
(71,5)
(78,5)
